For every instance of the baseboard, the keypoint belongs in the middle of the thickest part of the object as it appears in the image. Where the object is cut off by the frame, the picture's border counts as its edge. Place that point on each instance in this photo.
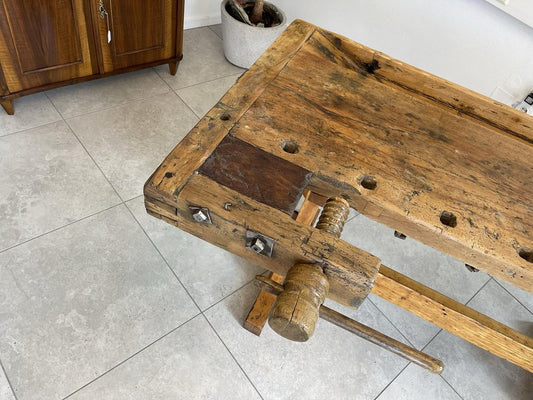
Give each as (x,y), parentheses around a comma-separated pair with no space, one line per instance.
(195,22)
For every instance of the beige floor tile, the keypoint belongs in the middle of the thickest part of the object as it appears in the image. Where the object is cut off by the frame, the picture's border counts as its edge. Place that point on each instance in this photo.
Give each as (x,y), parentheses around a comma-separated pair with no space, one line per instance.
(333,364)
(99,94)
(47,180)
(475,373)
(208,273)
(202,97)
(190,363)
(415,383)
(30,112)
(5,390)
(129,142)
(203,60)
(80,300)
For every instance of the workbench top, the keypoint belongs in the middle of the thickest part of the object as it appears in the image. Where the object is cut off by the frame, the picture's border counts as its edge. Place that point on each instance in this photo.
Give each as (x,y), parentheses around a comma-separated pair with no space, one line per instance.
(435,161)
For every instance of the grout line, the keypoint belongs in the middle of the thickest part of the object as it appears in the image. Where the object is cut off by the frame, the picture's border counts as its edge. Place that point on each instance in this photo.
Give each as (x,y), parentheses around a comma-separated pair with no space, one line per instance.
(60,227)
(450,385)
(210,27)
(392,323)
(95,163)
(31,128)
(141,99)
(392,380)
(8,381)
(232,356)
(209,81)
(504,288)
(195,303)
(131,356)
(228,295)
(114,105)
(163,258)
(465,303)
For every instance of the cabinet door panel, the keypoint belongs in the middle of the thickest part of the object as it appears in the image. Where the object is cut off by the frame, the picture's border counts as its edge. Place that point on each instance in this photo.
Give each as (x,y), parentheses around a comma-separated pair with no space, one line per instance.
(141,32)
(44,41)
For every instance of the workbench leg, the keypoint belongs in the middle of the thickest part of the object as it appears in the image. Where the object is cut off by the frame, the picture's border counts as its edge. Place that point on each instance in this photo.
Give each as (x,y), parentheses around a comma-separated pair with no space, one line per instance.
(258,315)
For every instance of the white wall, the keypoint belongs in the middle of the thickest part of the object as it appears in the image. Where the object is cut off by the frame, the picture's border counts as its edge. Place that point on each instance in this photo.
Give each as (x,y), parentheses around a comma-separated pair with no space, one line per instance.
(469,42)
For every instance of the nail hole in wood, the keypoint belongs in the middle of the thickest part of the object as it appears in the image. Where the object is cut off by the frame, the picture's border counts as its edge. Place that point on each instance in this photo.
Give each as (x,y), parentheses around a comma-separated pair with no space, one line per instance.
(225,116)
(449,219)
(290,147)
(369,182)
(526,254)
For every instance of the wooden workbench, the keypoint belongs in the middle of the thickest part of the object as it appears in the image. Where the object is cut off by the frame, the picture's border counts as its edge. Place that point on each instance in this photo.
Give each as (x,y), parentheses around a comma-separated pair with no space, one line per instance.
(432,160)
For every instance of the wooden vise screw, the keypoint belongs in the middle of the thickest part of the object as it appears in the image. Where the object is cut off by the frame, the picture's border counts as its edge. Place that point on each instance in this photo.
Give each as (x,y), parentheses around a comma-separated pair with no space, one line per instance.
(296,310)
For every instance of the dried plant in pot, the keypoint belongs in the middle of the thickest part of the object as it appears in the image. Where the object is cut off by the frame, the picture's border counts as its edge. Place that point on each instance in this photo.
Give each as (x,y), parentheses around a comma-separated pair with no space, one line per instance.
(249,28)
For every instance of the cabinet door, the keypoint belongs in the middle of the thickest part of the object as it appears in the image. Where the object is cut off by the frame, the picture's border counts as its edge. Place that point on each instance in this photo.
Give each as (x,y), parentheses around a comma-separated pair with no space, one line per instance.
(140,31)
(44,41)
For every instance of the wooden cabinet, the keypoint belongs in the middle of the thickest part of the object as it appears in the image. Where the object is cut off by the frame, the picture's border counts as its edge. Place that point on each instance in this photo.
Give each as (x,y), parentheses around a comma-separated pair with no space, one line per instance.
(50,43)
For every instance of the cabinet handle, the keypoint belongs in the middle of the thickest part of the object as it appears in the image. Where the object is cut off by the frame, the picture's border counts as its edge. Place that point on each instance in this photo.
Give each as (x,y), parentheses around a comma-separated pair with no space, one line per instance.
(105,14)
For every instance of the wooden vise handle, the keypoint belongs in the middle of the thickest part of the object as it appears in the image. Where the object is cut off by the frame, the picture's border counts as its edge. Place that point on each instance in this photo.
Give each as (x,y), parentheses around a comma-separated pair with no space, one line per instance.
(296,310)
(409,353)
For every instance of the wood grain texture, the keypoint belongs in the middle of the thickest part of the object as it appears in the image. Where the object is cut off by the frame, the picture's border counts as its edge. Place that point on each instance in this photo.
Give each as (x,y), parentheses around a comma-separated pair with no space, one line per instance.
(350,271)
(53,43)
(141,32)
(258,315)
(256,174)
(44,41)
(194,149)
(455,317)
(422,159)
(7,105)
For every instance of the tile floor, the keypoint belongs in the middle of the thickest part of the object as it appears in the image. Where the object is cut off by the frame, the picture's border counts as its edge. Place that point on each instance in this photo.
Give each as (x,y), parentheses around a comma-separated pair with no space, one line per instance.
(100,301)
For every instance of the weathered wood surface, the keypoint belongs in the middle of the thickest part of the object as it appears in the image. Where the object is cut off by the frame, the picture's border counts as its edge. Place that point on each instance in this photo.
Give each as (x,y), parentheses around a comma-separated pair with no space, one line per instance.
(194,149)
(455,317)
(296,310)
(263,177)
(350,271)
(404,159)
(428,158)
(401,145)
(258,315)
(409,353)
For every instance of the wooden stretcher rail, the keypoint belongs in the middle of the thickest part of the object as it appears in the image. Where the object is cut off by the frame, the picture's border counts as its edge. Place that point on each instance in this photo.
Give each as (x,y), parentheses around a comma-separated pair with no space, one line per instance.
(455,317)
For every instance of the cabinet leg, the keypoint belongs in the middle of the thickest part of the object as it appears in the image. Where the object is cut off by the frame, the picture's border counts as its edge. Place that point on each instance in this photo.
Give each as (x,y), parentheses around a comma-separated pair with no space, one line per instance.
(8,106)
(173,67)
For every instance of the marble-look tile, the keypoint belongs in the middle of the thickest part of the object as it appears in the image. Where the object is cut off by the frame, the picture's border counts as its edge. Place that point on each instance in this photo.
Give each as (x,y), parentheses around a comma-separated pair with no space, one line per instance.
(5,390)
(47,180)
(522,296)
(417,261)
(475,373)
(415,383)
(217,29)
(203,60)
(99,94)
(333,364)
(190,363)
(129,142)
(208,273)
(82,299)
(202,97)
(30,112)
